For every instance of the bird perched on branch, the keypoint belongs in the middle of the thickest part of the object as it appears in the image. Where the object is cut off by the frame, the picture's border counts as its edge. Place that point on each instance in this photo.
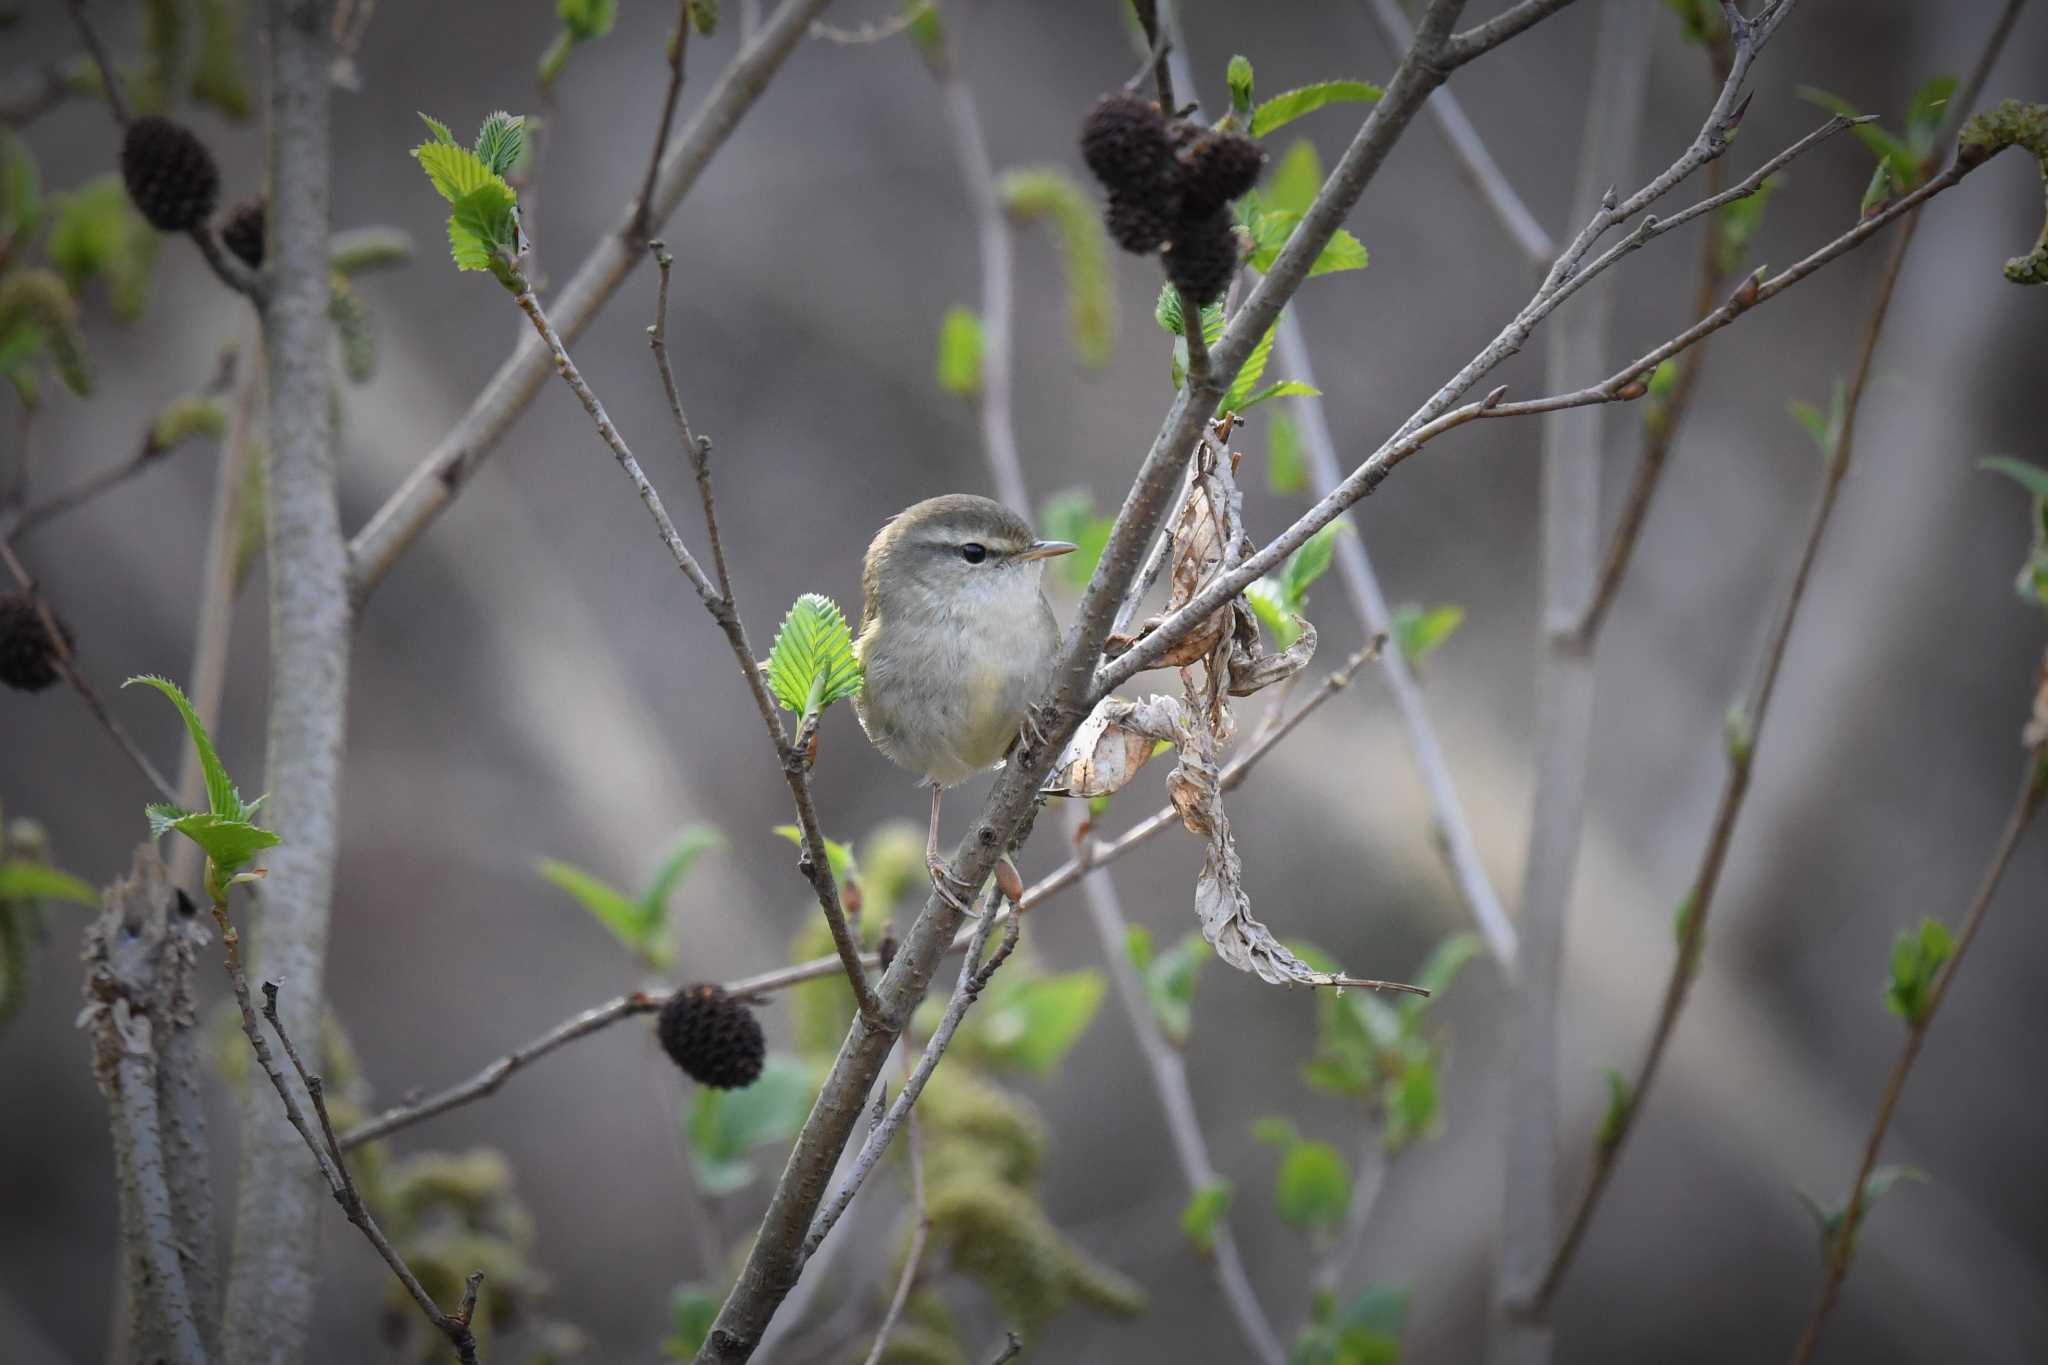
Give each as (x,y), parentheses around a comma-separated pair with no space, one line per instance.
(956,642)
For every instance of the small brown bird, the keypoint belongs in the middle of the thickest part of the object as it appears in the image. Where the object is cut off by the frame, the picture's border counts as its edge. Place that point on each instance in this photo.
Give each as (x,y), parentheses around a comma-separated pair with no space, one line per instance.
(956,642)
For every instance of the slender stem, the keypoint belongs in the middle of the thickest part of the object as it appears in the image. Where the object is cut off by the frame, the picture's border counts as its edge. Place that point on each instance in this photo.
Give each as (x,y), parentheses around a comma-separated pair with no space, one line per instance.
(1369,1177)
(1735,786)
(66,660)
(920,1227)
(414,505)
(815,867)
(110,77)
(974,978)
(1842,1243)
(1496,191)
(1572,449)
(643,205)
(488,1080)
(1158,42)
(1176,1101)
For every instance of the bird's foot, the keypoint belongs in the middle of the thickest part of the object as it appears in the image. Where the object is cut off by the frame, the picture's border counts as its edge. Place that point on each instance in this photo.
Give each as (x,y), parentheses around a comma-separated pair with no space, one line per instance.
(1034,726)
(950,889)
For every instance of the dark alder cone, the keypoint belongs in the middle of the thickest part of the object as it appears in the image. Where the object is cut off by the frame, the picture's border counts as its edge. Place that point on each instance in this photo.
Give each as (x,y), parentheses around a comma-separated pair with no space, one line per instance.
(1124,142)
(1217,168)
(1135,224)
(714,1038)
(28,656)
(243,233)
(1203,256)
(169,174)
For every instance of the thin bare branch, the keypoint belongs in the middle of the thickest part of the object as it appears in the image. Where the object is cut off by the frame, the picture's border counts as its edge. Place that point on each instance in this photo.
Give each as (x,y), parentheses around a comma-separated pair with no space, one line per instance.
(678,46)
(790,756)
(920,1225)
(412,507)
(1841,1243)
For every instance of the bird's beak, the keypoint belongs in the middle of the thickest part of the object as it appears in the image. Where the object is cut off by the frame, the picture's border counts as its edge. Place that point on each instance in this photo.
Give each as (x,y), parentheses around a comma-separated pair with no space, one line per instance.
(1046,549)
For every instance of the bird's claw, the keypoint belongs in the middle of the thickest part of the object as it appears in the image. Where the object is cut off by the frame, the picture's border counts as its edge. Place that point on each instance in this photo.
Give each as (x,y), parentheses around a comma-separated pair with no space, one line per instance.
(944,884)
(1034,726)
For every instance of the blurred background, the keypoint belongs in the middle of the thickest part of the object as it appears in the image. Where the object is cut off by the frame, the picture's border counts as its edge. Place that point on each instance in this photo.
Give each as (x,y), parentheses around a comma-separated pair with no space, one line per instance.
(534,680)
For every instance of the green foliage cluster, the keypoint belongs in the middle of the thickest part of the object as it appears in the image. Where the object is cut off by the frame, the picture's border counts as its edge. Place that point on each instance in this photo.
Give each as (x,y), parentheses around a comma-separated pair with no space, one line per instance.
(640,922)
(1917,957)
(225,831)
(812,663)
(1904,160)
(483,219)
(2032,583)
(1279,600)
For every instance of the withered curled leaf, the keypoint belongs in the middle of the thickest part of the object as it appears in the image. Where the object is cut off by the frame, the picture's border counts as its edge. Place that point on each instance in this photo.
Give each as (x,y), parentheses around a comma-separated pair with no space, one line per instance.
(1116,740)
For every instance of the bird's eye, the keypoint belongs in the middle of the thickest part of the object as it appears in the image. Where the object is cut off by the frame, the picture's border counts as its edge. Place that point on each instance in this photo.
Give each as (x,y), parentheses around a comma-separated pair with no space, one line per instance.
(973,553)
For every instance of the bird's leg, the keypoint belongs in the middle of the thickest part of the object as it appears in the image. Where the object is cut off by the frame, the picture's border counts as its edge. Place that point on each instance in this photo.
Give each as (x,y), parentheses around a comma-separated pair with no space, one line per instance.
(942,879)
(1034,726)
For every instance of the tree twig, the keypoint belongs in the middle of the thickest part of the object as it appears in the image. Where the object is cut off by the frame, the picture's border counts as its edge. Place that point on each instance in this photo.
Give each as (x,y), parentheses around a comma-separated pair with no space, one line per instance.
(974,978)
(1841,1244)
(1570,527)
(432,485)
(1735,785)
(677,48)
(920,1225)
(790,756)
(66,659)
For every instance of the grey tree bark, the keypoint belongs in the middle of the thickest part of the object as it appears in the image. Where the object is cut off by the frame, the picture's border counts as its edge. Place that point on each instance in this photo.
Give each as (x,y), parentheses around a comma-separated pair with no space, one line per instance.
(270,1282)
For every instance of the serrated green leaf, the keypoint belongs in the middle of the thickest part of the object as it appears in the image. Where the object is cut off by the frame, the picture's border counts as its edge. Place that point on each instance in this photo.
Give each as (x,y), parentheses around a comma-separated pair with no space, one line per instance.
(222,799)
(1620,1098)
(1283,109)
(501,141)
(1313,1188)
(1283,388)
(1238,76)
(1051,194)
(2031,477)
(1030,1023)
(1309,563)
(456,172)
(1205,1209)
(1248,377)
(229,844)
(439,130)
(724,1127)
(838,856)
(1419,631)
(609,906)
(1295,182)
(1413,1101)
(22,880)
(812,663)
(960,352)
(1286,462)
(1344,252)
(481,226)
(587,19)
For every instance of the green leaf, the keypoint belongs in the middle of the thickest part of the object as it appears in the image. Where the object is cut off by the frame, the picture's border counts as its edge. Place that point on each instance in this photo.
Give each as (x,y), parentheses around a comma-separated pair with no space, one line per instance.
(1286,463)
(837,855)
(1419,631)
(1916,961)
(1167,313)
(1344,252)
(1205,1209)
(1664,378)
(610,907)
(95,231)
(1268,601)
(812,663)
(501,141)
(1070,515)
(22,880)
(724,1127)
(1926,113)
(439,130)
(692,1310)
(481,226)
(1034,1021)
(1738,732)
(1248,377)
(1824,427)
(1443,964)
(1285,388)
(2031,477)
(1737,224)
(1892,152)
(691,844)
(1283,109)
(1370,1328)
(1313,1188)
(1275,1131)
(1169,979)
(228,843)
(587,19)
(1413,1100)
(221,797)
(1238,76)
(1309,563)
(1620,1099)
(1294,183)
(960,352)
(1052,194)
(456,171)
